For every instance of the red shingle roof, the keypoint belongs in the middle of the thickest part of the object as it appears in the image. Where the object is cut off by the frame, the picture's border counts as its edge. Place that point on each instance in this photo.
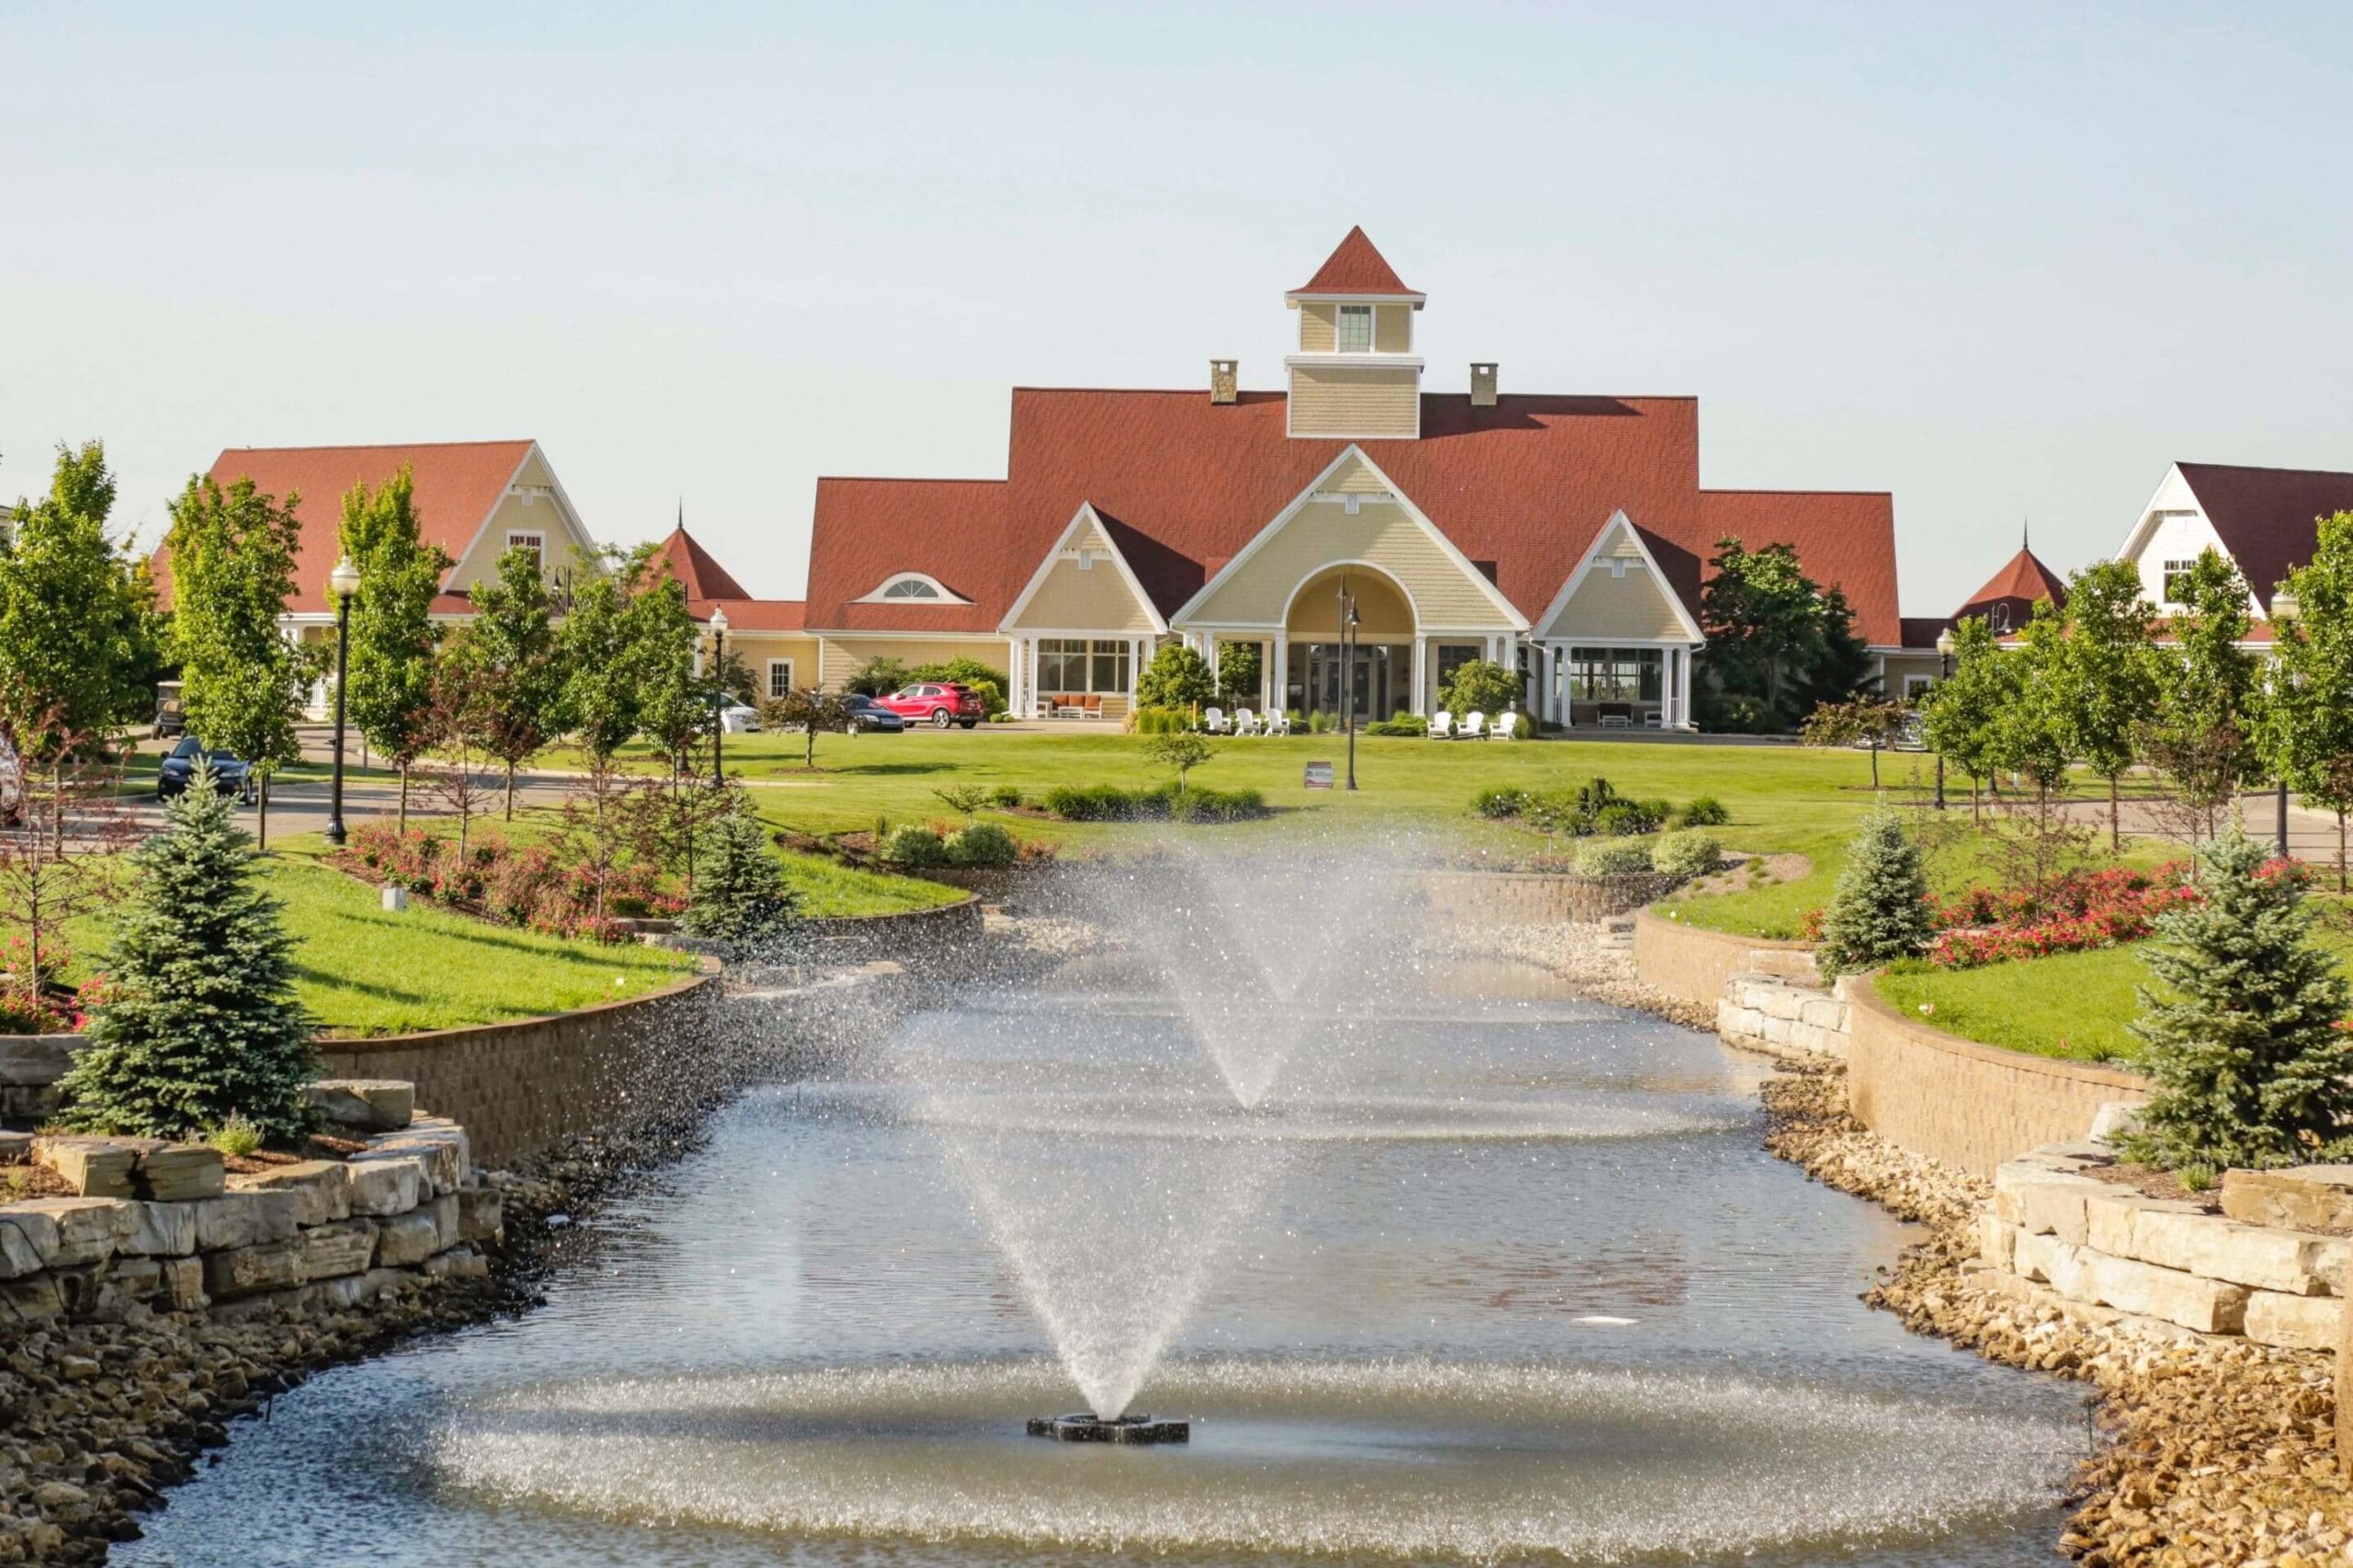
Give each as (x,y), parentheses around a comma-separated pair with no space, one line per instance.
(458,485)
(1521,488)
(1355,267)
(2267,518)
(752,615)
(2006,601)
(692,565)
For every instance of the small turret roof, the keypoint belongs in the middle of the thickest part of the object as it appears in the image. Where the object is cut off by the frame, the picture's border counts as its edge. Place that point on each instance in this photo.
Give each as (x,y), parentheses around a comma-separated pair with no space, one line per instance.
(1355,267)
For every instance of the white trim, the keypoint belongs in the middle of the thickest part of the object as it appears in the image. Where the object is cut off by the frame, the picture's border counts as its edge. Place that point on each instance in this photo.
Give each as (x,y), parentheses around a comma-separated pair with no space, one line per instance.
(2138,539)
(867,635)
(530,447)
(1302,296)
(943,594)
(1087,513)
(1593,553)
(792,671)
(1462,561)
(1371,359)
(1300,586)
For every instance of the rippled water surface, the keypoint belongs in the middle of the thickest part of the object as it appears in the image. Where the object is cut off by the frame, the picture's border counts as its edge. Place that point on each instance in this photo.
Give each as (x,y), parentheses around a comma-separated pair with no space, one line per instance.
(1476,1282)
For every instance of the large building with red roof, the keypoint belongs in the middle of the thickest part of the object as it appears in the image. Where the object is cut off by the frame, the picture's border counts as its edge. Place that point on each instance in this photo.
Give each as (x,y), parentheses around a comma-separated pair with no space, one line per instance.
(1566,535)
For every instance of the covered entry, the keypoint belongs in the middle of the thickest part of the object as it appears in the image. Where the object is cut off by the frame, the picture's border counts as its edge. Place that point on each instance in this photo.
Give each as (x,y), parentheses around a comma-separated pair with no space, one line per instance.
(1377,674)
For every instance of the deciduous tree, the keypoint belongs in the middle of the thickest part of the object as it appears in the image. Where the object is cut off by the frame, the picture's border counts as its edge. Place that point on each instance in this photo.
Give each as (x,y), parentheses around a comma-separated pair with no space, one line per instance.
(1176,677)
(1963,710)
(514,634)
(2304,730)
(2104,682)
(2201,737)
(1870,722)
(1776,638)
(389,672)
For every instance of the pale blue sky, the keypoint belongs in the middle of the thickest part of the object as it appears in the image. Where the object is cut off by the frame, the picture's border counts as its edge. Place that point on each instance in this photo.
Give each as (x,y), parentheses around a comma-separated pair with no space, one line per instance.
(2002,260)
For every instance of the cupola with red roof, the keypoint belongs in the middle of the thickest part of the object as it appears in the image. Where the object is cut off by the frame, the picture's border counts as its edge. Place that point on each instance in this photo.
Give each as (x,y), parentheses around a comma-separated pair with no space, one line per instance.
(2006,601)
(1354,373)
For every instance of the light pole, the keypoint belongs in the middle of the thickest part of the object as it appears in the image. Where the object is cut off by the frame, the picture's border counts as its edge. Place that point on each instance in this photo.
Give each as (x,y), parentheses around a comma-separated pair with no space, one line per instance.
(719,689)
(2284,610)
(343,582)
(1348,671)
(1944,673)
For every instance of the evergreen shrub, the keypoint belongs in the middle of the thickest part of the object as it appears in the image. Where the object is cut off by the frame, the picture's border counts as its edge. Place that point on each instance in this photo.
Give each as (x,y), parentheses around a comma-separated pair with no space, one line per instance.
(1879,910)
(980,843)
(1614,858)
(1685,855)
(911,843)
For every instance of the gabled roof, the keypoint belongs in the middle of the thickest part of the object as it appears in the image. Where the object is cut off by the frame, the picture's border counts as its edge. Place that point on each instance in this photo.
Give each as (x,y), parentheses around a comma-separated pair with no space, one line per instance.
(458,485)
(1355,268)
(952,530)
(2267,518)
(692,565)
(1845,539)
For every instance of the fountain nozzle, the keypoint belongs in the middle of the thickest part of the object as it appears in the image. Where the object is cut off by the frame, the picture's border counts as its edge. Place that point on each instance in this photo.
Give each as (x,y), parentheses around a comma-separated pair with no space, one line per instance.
(1087,1427)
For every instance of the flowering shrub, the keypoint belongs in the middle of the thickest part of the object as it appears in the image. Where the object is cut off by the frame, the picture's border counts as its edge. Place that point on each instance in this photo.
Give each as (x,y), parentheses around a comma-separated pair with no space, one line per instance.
(58,1009)
(2076,914)
(528,886)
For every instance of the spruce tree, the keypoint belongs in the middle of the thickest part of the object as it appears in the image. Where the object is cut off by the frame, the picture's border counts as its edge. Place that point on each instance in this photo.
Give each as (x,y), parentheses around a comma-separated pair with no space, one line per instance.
(2250,1060)
(1879,911)
(741,897)
(207,1027)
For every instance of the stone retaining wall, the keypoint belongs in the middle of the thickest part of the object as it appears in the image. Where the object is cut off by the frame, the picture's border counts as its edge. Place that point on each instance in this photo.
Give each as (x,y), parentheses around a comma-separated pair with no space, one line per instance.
(1969,1105)
(2249,1270)
(947,933)
(161,1226)
(524,1086)
(1692,965)
(1764,1012)
(30,1065)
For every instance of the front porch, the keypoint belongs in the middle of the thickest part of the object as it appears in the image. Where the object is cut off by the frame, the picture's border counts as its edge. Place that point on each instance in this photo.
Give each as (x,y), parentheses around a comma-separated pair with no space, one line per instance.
(1582,686)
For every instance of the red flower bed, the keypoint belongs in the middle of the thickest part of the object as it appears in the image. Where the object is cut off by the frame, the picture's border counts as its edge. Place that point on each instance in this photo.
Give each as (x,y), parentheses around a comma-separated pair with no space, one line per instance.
(59,1008)
(529,886)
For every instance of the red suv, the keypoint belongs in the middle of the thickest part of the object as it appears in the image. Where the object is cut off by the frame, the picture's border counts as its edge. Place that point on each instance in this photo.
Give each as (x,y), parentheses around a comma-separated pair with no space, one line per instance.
(938,703)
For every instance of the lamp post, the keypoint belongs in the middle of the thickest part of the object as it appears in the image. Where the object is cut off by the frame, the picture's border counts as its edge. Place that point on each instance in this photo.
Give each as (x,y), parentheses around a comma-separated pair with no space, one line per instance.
(719,689)
(343,582)
(1348,671)
(2284,610)
(1944,673)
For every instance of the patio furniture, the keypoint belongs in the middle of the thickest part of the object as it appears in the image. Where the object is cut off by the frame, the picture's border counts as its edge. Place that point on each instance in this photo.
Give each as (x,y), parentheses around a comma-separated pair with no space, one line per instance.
(1653,721)
(1213,719)
(1507,727)
(1441,725)
(1278,721)
(1474,726)
(1245,721)
(1616,715)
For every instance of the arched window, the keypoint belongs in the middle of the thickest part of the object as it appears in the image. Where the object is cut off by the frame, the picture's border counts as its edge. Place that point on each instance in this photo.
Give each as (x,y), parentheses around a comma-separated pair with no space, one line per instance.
(914,586)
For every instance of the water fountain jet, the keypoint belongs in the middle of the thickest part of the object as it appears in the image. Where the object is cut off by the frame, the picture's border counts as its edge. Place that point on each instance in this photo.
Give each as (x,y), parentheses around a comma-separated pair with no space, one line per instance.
(1087,1427)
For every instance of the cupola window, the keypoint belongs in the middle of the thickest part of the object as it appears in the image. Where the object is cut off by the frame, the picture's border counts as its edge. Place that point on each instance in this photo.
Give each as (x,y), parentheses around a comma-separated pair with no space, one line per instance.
(1356,329)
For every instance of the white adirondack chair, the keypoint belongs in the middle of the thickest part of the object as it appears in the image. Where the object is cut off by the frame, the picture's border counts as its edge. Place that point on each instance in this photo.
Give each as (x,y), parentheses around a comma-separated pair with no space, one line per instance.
(1245,721)
(1441,725)
(1213,719)
(1278,721)
(1474,726)
(1507,727)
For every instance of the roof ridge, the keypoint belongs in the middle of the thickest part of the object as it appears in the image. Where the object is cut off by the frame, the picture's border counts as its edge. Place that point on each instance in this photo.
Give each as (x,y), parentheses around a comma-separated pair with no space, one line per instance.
(387,446)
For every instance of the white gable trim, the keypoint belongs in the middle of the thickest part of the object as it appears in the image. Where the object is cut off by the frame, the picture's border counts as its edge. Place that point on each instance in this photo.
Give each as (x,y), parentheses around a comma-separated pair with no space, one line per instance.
(1462,563)
(1085,516)
(1618,519)
(1381,572)
(944,594)
(563,511)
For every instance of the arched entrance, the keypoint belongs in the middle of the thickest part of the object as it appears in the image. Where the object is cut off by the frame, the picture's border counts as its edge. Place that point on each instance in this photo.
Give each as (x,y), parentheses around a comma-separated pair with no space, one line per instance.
(1376,673)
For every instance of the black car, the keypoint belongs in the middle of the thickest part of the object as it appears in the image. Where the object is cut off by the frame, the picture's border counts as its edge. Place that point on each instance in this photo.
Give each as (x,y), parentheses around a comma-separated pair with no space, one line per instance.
(230,774)
(865,713)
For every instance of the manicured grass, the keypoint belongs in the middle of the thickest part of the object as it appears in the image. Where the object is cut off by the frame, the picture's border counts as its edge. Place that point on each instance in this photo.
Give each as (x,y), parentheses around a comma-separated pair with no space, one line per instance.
(2073,1006)
(828,887)
(362,972)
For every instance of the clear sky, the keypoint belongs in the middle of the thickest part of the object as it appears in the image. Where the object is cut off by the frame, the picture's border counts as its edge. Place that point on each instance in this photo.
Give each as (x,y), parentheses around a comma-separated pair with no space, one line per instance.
(2005,261)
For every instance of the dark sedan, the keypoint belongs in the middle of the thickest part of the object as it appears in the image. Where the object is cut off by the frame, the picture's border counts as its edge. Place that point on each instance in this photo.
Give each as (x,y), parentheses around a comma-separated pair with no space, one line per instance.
(865,713)
(185,765)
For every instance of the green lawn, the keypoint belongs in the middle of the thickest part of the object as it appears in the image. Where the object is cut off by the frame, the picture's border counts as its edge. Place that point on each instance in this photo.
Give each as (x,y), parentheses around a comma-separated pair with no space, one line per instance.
(362,972)
(2070,1005)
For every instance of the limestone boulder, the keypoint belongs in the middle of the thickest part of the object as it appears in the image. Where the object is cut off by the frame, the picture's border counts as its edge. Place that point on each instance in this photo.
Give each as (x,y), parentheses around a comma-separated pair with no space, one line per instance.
(179,1172)
(2209,1306)
(85,1227)
(2295,1323)
(246,1271)
(381,1187)
(2109,1216)
(347,1246)
(34,1062)
(407,1239)
(2305,1197)
(320,1188)
(97,1167)
(2047,1199)
(364,1104)
(481,1218)
(27,1239)
(2263,1258)
(154,1230)
(244,1219)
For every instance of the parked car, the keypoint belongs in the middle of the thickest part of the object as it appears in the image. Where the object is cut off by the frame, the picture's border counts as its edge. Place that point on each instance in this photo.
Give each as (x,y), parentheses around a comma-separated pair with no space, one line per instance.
(184,765)
(865,713)
(12,785)
(169,719)
(939,703)
(738,720)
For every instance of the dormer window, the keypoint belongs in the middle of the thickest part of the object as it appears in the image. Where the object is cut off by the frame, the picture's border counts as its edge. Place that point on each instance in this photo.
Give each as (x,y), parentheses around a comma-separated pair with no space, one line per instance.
(916,587)
(1355,329)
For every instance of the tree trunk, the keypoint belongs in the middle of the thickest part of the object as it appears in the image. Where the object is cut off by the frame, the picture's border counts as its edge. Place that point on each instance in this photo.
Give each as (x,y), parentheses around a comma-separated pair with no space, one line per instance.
(261,816)
(1874,769)
(403,821)
(511,789)
(2115,814)
(57,808)
(2341,851)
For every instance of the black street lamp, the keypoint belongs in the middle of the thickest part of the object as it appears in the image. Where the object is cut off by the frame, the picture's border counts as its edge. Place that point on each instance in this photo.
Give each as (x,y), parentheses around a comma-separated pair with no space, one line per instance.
(343,582)
(2284,608)
(1348,671)
(718,689)
(1944,673)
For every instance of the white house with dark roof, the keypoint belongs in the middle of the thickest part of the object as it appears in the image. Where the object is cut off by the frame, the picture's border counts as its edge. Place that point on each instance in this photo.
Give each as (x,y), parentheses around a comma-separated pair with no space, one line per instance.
(2265,521)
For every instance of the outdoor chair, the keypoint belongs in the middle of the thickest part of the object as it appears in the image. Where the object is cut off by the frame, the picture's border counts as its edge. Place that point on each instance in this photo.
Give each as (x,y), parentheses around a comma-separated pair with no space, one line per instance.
(1278,721)
(1441,725)
(1507,727)
(1245,721)
(1474,726)
(1213,721)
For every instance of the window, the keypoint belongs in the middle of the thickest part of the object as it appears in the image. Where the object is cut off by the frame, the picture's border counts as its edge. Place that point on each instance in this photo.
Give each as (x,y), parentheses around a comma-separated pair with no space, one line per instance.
(1355,329)
(2176,580)
(1916,686)
(779,677)
(535,543)
(912,588)
(1080,664)
(1615,674)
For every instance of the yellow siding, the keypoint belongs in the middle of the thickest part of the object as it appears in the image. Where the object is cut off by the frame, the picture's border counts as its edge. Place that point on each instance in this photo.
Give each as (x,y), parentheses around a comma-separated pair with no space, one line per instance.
(1354,477)
(528,513)
(1382,614)
(1603,607)
(1321,533)
(1317,331)
(1392,328)
(1355,402)
(757,648)
(1095,600)
(844,657)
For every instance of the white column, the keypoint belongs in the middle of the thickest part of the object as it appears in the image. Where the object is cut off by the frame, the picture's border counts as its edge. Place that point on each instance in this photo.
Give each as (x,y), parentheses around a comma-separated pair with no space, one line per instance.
(1281,687)
(1013,703)
(1269,679)
(1136,647)
(1421,704)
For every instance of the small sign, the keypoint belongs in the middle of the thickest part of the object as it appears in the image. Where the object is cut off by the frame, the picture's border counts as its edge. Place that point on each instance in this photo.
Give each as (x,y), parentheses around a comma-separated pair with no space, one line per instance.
(1319,775)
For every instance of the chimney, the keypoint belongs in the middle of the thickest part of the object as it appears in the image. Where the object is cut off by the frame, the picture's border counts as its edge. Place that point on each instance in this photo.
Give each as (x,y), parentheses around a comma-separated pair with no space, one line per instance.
(1222,374)
(1482,383)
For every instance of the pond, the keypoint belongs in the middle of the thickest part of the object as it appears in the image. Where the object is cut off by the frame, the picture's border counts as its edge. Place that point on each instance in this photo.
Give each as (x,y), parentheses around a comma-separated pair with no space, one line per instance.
(1474,1280)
